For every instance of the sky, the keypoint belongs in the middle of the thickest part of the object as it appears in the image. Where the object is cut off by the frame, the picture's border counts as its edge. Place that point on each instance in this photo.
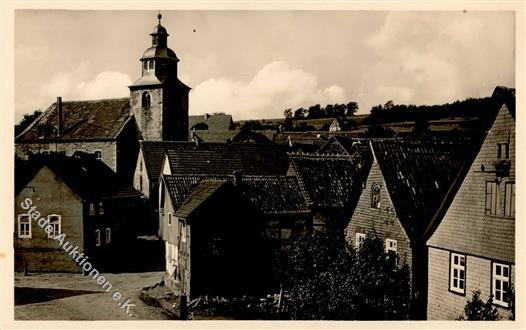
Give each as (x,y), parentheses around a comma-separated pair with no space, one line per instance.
(255,64)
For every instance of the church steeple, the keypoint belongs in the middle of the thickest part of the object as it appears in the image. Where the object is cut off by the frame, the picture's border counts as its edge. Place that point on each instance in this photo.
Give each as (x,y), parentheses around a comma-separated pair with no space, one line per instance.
(159,100)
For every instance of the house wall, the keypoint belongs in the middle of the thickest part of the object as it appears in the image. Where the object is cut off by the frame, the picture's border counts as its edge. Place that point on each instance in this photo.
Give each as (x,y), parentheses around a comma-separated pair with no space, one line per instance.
(446,305)
(108,149)
(383,221)
(467,228)
(50,196)
(141,174)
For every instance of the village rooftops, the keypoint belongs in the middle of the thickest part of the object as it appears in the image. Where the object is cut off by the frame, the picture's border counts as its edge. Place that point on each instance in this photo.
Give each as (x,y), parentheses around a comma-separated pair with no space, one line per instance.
(328,181)
(269,195)
(85,175)
(214,122)
(81,121)
(418,175)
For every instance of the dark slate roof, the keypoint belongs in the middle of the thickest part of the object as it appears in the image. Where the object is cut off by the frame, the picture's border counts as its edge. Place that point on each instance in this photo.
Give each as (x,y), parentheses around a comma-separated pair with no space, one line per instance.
(204,190)
(88,177)
(418,175)
(328,181)
(224,159)
(181,186)
(340,145)
(153,153)
(274,195)
(83,120)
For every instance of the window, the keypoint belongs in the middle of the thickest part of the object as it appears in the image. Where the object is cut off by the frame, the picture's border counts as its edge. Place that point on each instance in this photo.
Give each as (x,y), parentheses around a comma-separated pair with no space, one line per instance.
(98,154)
(492,198)
(500,284)
(54,221)
(97,237)
(509,208)
(359,240)
(457,275)
(503,148)
(24,226)
(146,100)
(108,235)
(145,65)
(375,196)
(390,245)
(150,65)
(140,182)
(100,208)
(183,231)
(169,219)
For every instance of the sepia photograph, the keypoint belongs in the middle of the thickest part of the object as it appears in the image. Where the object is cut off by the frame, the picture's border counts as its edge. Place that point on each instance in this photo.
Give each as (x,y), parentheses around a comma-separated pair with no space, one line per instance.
(291,164)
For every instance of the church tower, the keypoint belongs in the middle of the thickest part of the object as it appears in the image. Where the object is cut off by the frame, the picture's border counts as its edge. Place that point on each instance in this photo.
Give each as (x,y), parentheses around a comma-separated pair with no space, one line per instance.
(158,99)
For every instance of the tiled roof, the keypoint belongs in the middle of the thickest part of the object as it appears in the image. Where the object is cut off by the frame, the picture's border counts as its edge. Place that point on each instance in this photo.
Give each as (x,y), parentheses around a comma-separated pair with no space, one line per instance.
(224,159)
(198,196)
(328,181)
(181,186)
(215,136)
(82,120)
(418,175)
(86,176)
(274,195)
(342,145)
(153,153)
(217,122)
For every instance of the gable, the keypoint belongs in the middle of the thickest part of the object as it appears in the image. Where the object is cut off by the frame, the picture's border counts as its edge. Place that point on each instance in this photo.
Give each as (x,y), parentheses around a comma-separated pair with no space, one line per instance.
(465,226)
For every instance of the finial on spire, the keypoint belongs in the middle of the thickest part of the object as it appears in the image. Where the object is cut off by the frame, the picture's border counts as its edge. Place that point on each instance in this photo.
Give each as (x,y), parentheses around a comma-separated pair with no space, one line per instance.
(159,16)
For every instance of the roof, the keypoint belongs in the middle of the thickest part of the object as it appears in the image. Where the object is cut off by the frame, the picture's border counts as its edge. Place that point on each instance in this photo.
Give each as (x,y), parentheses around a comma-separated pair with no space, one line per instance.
(181,186)
(505,95)
(274,195)
(224,159)
(86,176)
(153,154)
(339,145)
(418,174)
(200,194)
(82,120)
(214,136)
(328,181)
(215,122)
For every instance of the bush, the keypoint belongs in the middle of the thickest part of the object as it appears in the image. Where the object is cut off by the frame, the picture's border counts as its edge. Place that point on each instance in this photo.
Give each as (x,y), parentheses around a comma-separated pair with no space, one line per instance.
(476,309)
(327,279)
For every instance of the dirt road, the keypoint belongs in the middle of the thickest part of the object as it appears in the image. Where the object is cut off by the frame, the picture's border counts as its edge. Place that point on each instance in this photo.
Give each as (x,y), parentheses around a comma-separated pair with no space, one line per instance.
(58,296)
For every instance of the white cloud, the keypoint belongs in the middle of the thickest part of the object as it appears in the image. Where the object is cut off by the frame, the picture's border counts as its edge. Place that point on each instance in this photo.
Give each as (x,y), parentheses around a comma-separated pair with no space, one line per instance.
(275,87)
(80,85)
(439,57)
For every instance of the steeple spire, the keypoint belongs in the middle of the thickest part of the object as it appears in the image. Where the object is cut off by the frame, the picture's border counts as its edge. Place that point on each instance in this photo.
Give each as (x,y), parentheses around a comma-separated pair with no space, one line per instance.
(159,16)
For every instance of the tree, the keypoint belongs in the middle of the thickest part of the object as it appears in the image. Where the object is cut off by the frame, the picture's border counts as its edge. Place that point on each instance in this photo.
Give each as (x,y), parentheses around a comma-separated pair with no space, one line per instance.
(476,309)
(288,124)
(26,121)
(327,278)
(352,108)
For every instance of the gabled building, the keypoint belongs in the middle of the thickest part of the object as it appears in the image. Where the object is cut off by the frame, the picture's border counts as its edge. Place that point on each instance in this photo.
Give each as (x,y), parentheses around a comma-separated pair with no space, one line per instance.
(473,246)
(235,223)
(404,187)
(80,197)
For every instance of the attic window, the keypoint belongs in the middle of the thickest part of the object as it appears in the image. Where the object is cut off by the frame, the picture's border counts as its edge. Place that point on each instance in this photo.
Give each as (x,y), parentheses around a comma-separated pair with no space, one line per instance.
(146,100)
(375,196)
(98,154)
(503,148)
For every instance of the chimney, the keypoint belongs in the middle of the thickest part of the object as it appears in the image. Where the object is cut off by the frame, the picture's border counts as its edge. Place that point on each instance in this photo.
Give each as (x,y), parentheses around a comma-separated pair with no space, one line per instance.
(237,177)
(60,116)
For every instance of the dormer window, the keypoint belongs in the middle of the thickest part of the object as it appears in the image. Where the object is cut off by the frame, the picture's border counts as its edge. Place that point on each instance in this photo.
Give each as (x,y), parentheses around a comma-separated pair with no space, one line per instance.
(146,100)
